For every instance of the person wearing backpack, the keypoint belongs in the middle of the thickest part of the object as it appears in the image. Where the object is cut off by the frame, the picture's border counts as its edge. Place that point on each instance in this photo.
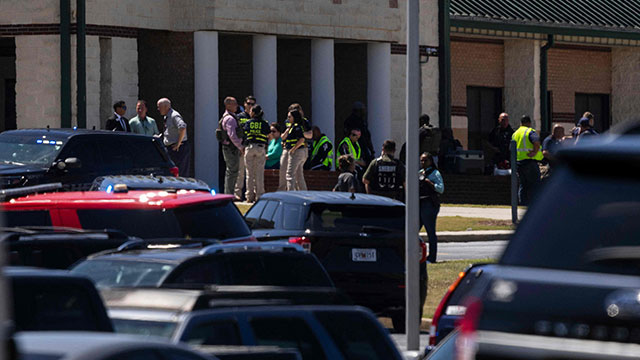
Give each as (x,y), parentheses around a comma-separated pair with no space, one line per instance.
(232,147)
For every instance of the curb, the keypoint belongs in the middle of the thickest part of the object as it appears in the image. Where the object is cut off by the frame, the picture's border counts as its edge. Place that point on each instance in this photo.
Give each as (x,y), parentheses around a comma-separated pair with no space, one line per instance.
(469,236)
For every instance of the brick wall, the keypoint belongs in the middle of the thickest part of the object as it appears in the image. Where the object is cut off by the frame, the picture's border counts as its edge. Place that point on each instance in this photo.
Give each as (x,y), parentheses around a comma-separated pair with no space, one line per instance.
(475,64)
(316,180)
(294,76)
(577,71)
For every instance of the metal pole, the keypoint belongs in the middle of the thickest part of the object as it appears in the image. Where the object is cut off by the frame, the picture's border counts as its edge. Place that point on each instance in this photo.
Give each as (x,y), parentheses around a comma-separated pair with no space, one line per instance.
(514,182)
(65,63)
(81,68)
(412,279)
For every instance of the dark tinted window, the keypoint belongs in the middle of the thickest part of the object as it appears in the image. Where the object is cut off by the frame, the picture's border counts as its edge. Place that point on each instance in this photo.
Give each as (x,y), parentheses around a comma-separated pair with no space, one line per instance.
(27,218)
(117,155)
(293,216)
(578,223)
(19,149)
(356,335)
(53,306)
(266,219)
(254,213)
(176,354)
(219,220)
(355,217)
(147,154)
(83,149)
(123,272)
(220,332)
(287,333)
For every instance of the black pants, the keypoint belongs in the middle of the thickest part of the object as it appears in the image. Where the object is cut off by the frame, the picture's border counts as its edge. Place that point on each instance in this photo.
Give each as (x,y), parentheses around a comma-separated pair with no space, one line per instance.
(529,177)
(182,158)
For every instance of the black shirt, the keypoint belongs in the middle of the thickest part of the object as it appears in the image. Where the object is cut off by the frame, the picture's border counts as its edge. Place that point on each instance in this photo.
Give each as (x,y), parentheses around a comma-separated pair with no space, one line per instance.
(296,133)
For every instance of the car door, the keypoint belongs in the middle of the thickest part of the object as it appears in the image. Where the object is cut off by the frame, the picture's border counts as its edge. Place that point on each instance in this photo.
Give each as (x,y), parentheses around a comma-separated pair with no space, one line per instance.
(79,178)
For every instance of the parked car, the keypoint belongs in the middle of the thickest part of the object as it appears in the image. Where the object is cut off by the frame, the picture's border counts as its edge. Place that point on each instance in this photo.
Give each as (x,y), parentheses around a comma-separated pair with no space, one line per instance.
(76,157)
(226,352)
(69,345)
(219,264)
(55,300)
(318,332)
(147,182)
(359,240)
(568,280)
(145,214)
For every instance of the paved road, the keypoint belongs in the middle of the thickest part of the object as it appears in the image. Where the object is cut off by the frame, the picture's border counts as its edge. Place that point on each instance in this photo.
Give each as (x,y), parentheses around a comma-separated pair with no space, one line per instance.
(470,250)
(488,212)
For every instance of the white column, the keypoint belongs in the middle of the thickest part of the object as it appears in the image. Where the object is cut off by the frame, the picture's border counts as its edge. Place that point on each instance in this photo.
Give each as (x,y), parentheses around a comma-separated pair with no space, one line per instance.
(265,74)
(323,92)
(379,93)
(205,58)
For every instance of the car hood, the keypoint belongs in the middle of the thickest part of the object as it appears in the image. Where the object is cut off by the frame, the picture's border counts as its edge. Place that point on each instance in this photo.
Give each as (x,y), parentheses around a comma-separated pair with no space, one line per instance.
(13,170)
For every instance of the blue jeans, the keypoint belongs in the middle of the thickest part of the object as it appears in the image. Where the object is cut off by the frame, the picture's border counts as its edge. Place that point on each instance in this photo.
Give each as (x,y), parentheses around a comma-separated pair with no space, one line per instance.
(428,215)
(529,177)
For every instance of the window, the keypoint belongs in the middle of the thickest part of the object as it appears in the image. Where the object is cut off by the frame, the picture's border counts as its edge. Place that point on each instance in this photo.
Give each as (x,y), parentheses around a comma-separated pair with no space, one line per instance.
(266,219)
(117,155)
(177,354)
(147,155)
(293,217)
(356,336)
(210,270)
(254,213)
(27,218)
(17,149)
(287,333)
(144,327)
(123,272)
(84,150)
(355,218)
(279,269)
(219,332)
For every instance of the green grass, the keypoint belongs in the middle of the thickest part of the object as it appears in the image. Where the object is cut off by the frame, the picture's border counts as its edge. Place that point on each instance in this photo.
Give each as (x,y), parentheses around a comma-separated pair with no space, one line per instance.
(482,206)
(243,208)
(460,223)
(441,276)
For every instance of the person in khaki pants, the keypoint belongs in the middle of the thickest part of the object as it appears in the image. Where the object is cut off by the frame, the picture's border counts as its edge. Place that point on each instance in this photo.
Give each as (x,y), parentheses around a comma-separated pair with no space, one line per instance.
(255,155)
(295,151)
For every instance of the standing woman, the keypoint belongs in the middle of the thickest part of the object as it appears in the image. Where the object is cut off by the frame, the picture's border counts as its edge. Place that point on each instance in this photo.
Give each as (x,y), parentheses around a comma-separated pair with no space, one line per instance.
(431,187)
(293,138)
(255,155)
(275,147)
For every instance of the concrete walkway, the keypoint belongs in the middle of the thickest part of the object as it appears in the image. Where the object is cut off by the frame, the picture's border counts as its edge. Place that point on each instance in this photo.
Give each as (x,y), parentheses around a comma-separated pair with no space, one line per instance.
(495,213)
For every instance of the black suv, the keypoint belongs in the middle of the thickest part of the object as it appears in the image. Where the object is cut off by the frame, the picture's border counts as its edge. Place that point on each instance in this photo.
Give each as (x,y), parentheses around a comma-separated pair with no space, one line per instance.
(76,157)
(359,240)
(568,283)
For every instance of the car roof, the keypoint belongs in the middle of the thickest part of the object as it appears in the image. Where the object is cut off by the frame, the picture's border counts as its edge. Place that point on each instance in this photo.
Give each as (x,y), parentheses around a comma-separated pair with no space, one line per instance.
(137,199)
(150,182)
(330,197)
(66,133)
(31,272)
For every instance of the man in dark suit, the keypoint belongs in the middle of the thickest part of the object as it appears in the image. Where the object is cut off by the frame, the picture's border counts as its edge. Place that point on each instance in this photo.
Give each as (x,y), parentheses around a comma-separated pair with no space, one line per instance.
(117,121)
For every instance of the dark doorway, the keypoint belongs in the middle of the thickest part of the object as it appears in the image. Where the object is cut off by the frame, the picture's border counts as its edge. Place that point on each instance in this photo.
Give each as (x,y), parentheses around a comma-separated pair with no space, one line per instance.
(294,76)
(350,81)
(598,105)
(483,108)
(7,84)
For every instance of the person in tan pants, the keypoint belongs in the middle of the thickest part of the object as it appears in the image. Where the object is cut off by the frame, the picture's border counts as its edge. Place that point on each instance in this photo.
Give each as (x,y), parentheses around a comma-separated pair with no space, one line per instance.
(257,130)
(284,159)
(295,152)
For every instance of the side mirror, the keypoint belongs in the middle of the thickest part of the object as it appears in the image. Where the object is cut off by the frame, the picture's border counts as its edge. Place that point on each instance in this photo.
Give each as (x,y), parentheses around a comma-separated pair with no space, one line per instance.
(69,163)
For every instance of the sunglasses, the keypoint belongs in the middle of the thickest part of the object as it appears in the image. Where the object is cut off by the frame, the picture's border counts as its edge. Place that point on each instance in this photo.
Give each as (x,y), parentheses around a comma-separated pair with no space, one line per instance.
(251,103)
(274,131)
(354,134)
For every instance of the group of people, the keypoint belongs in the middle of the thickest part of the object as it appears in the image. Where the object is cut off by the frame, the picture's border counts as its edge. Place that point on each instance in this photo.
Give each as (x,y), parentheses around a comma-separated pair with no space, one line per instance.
(175,129)
(535,158)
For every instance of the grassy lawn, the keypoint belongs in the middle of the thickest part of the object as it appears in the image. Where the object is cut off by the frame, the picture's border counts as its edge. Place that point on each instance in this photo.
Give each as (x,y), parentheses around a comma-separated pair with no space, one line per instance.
(441,276)
(243,208)
(483,206)
(459,223)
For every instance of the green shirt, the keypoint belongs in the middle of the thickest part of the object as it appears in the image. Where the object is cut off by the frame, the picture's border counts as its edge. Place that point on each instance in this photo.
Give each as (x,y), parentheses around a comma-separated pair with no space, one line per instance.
(147,126)
(274,152)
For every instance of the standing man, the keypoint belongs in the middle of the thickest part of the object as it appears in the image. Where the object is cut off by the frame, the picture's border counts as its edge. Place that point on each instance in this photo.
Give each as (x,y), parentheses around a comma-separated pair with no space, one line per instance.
(257,130)
(175,137)
(349,145)
(385,175)
(117,121)
(232,147)
(550,144)
(141,123)
(358,120)
(499,139)
(243,118)
(322,153)
(529,154)
(585,129)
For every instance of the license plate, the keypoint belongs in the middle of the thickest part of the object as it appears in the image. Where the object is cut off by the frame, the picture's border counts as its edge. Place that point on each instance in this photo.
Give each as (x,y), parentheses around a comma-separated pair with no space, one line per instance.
(364,255)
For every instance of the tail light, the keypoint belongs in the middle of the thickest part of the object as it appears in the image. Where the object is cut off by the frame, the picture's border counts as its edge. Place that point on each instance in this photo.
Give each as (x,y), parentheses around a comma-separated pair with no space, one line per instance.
(423,248)
(302,241)
(441,309)
(174,171)
(466,345)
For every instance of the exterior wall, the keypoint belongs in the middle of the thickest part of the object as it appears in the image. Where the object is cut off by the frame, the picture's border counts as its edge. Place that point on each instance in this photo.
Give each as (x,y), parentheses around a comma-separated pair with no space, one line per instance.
(124,73)
(522,80)
(576,71)
(29,11)
(625,84)
(38,81)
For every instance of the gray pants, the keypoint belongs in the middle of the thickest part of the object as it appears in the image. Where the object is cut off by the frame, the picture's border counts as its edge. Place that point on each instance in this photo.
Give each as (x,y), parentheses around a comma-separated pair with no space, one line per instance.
(254,157)
(232,159)
(294,174)
(240,180)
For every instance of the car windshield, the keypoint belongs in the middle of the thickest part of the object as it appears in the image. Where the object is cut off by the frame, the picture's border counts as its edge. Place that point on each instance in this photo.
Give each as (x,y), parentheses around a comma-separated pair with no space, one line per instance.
(110,273)
(215,220)
(329,217)
(583,223)
(28,150)
(144,327)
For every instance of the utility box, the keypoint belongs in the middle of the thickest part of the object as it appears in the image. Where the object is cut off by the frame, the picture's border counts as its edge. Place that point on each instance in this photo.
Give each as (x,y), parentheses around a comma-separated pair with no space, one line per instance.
(469,162)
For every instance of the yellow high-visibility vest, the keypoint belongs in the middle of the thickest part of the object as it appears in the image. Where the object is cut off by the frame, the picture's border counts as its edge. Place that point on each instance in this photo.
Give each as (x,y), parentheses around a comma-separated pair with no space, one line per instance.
(524,145)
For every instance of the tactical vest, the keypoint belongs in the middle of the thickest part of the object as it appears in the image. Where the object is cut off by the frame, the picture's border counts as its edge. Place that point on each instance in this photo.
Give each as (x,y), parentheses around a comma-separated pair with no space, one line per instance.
(387,180)
(354,150)
(328,160)
(291,141)
(524,145)
(255,131)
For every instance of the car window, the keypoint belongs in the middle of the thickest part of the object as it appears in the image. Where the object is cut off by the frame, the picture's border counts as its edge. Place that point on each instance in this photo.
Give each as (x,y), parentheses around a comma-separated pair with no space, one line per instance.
(356,335)
(145,354)
(583,223)
(147,154)
(266,218)
(329,217)
(287,332)
(293,216)
(84,150)
(106,273)
(117,155)
(28,149)
(144,327)
(219,332)
(27,218)
(254,213)
(210,270)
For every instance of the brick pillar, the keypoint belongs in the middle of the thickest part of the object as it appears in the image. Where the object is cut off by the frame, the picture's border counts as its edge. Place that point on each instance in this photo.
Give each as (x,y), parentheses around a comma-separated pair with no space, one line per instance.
(625,84)
(205,58)
(522,80)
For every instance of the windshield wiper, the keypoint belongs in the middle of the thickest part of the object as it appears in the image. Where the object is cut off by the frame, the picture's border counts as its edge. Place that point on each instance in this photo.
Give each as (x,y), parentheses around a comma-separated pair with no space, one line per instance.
(12,162)
(613,253)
